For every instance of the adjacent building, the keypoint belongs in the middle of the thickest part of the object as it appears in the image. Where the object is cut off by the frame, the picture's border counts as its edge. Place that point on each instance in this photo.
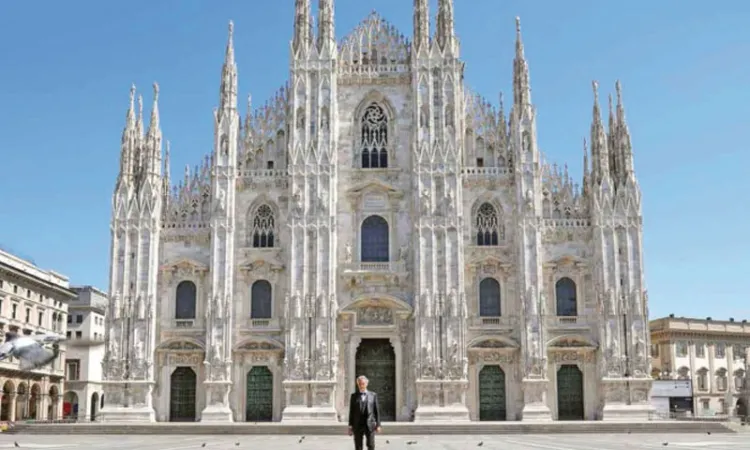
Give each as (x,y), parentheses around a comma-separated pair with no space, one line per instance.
(85,352)
(710,353)
(376,217)
(32,301)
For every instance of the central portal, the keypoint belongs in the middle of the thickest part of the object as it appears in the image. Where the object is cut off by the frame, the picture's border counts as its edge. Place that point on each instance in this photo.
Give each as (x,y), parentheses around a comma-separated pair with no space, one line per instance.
(376,360)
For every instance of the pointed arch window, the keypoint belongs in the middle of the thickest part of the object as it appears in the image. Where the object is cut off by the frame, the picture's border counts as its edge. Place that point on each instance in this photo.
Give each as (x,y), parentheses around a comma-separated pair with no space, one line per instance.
(374,240)
(185,300)
(261,300)
(487,225)
(489,298)
(263,228)
(374,138)
(565,296)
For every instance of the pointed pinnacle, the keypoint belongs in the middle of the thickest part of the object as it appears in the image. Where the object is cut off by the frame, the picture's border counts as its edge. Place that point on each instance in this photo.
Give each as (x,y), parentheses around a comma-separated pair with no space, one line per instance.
(518,25)
(156,91)
(231,28)
(595,87)
(132,92)
(618,89)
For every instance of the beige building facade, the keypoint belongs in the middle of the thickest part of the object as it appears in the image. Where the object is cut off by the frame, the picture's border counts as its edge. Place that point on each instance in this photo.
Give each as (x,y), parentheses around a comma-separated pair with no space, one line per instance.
(376,217)
(85,351)
(710,353)
(32,301)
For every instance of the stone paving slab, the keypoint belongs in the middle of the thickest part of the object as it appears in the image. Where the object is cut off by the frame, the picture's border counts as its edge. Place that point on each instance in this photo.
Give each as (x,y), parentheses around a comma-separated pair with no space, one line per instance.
(520,442)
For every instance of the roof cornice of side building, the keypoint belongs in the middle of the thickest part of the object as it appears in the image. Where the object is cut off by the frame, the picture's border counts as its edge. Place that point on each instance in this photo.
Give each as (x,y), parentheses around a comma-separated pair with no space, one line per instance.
(19,268)
(691,326)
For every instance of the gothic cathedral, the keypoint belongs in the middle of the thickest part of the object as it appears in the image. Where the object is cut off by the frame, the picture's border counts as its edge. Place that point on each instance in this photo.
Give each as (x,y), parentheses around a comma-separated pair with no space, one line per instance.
(376,218)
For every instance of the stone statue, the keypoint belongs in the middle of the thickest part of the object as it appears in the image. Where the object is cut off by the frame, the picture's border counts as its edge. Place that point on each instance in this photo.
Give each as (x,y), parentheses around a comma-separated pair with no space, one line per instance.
(403,253)
(450,201)
(221,201)
(322,202)
(114,349)
(348,253)
(426,203)
(532,306)
(297,200)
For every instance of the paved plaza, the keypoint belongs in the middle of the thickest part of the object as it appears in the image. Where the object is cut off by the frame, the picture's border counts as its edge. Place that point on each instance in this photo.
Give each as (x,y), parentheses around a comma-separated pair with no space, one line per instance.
(514,442)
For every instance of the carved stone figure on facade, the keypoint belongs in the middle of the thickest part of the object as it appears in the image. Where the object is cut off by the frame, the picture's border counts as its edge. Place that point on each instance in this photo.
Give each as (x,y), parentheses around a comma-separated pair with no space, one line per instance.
(426,201)
(403,253)
(348,253)
(216,352)
(322,202)
(114,348)
(297,202)
(529,199)
(450,201)
(218,306)
(532,306)
(221,201)
(526,141)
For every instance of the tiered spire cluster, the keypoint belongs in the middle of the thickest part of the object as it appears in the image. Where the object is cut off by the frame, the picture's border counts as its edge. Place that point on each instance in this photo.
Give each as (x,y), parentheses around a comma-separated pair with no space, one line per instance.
(140,153)
(611,149)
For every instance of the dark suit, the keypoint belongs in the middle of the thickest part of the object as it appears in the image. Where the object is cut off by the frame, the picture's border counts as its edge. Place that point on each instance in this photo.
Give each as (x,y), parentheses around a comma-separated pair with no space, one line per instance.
(364,418)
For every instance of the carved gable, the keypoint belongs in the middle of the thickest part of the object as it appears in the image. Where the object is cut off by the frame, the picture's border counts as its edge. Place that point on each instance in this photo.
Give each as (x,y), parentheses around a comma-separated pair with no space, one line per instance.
(373,194)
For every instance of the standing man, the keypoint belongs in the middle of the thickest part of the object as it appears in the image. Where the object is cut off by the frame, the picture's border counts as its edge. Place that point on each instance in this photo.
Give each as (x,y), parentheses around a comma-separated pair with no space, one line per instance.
(364,415)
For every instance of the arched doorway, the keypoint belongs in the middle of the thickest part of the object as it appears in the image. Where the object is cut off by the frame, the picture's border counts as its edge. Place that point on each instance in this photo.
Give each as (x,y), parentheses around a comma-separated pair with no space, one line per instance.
(8,388)
(70,405)
(492,403)
(94,405)
(259,395)
(22,402)
(182,386)
(34,401)
(569,393)
(52,413)
(376,360)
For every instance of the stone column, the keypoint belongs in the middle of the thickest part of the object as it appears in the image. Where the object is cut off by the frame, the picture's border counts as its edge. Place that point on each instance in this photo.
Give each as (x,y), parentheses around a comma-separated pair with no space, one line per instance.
(12,407)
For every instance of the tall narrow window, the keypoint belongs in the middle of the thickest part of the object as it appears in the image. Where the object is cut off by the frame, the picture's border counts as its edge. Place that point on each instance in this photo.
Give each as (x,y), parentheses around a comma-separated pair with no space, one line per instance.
(374,138)
(565,293)
(185,301)
(261,301)
(489,298)
(374,236)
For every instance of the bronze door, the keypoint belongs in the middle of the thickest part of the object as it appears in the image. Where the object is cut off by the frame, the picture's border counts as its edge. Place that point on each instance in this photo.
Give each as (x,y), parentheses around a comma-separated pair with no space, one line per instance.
(492,394)
(182,387)
(377,361)
(569,393)
(259,395)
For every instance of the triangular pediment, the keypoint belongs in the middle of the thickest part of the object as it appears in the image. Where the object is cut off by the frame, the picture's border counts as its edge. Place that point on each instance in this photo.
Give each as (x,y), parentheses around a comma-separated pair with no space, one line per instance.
(184,264)
(373,185)
(572,341)
(262,263)
(565,260)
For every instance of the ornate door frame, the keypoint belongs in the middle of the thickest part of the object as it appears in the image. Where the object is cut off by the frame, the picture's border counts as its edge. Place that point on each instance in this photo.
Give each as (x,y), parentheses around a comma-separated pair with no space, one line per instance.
(394,326)
(249,354)
(495,351)
(397,349)
(584,359)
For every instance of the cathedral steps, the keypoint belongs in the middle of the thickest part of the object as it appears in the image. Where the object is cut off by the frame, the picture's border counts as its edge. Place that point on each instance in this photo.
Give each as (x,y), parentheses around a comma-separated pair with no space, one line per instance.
(399,428)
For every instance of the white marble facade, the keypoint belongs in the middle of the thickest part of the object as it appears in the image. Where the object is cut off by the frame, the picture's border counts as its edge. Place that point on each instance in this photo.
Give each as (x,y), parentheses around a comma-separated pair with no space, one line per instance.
(377,217)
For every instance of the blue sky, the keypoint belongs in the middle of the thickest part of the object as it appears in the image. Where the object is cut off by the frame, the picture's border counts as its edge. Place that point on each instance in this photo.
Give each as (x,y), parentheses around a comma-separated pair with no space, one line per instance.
(685,67)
